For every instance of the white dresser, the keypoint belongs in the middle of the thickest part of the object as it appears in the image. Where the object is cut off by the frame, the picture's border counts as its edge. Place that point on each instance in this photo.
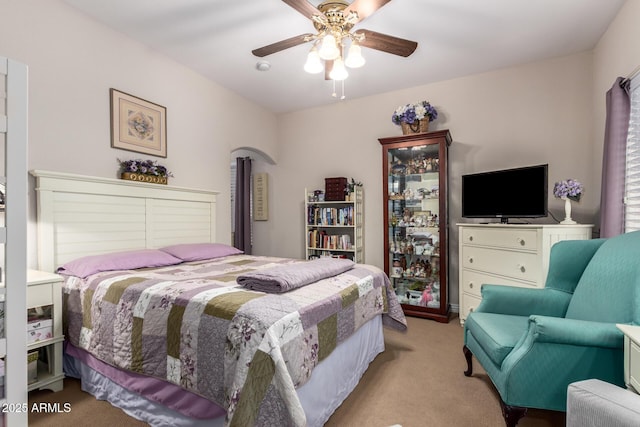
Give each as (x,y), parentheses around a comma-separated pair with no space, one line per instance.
(507,254)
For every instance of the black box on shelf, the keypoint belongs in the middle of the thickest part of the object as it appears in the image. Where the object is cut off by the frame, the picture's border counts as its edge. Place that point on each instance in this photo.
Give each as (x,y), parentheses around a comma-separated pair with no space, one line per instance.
(335,189)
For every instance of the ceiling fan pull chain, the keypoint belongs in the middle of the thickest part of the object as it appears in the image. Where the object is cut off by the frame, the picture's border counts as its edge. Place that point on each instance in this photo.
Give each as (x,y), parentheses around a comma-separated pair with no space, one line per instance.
(335,94)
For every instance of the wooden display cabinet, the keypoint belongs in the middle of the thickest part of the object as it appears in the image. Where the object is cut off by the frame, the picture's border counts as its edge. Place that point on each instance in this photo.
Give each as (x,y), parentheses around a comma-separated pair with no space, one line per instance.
(416,221)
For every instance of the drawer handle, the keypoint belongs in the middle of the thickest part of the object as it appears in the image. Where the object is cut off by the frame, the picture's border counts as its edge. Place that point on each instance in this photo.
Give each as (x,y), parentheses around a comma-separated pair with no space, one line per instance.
(471,238)
(470,309)
(470,260)
(521,241)
(522,268)
(470,285)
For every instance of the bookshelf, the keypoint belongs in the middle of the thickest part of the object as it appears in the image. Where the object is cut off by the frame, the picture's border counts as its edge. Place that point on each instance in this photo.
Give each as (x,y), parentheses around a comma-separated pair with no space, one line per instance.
(334,228)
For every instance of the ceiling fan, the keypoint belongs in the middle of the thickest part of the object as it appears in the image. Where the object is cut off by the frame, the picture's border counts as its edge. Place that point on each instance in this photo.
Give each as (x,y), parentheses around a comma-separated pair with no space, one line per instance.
(333,21)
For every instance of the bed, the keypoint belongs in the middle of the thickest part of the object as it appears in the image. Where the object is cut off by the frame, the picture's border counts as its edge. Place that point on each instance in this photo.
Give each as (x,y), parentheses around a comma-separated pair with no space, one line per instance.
(136,335)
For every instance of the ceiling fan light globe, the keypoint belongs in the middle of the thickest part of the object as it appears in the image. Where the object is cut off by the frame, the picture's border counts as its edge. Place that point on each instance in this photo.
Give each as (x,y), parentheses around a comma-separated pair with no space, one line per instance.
(338,72)
(354,57)
(329,49)
(313,64)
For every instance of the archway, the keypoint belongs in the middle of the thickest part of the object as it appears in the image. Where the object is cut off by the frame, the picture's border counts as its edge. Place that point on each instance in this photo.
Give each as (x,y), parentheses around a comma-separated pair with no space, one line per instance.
(259,161)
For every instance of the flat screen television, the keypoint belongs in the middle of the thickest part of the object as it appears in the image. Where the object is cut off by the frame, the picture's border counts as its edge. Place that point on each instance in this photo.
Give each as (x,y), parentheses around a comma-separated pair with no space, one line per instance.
(507,193)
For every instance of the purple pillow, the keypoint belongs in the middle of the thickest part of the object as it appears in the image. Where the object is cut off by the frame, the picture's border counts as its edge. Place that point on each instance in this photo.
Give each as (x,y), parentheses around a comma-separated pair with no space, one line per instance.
(199,251)
(86,266)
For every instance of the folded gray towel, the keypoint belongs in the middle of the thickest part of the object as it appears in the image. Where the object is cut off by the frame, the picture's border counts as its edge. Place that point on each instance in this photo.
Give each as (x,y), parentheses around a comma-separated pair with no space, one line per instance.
(291,276)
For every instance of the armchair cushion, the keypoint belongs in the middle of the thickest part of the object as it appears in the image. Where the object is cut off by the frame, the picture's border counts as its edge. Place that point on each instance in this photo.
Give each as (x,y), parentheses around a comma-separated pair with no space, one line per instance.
(497,334)
(558,330)
(523,301)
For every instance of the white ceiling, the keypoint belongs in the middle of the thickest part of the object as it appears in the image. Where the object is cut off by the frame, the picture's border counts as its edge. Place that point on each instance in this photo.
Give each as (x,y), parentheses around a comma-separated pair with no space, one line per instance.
(455,38)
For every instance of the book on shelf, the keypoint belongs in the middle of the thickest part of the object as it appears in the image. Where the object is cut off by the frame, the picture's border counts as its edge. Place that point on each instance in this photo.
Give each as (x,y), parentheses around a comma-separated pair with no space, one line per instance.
(317,215)
(345,241)
(322,240)
(328,254)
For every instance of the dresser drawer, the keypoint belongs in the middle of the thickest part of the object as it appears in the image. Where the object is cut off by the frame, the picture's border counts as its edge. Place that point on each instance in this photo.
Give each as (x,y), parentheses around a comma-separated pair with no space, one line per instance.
(469,304)
(508,238)
(472,281)
(518,265)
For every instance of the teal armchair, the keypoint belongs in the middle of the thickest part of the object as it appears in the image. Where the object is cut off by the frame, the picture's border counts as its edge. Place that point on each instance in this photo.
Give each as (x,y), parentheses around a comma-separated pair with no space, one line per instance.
(534,342)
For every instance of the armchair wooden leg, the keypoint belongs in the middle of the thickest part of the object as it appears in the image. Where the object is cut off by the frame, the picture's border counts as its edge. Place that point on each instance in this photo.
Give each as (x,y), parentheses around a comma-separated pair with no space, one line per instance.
(467,356)
(512,414)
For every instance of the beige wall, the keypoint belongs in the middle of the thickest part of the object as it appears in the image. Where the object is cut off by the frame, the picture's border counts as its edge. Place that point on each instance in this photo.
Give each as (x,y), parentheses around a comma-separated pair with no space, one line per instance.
(536,113)
(74,60)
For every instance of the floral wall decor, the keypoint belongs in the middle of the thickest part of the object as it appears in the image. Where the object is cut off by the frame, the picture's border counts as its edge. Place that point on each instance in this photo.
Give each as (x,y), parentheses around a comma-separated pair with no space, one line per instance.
(138,125)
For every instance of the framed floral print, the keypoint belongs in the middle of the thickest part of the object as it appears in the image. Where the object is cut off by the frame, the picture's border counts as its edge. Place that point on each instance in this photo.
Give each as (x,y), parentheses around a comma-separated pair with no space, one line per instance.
(138,125)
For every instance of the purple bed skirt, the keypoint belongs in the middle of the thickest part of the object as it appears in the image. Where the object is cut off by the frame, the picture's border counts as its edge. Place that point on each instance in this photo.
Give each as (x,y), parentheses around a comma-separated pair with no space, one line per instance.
(162,392)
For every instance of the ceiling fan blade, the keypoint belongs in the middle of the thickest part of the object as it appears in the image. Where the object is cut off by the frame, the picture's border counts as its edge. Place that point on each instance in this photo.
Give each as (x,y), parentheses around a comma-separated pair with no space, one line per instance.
(304,7)
(386,43)
(281,45)
(364,7)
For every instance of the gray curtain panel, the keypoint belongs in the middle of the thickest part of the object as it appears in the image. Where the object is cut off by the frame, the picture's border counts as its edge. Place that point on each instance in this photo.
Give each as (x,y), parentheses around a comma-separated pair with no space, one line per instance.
(613,161)
(242,234)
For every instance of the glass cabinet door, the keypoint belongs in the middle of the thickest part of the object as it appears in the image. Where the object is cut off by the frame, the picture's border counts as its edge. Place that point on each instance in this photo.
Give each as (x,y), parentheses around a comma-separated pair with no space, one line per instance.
(416,224)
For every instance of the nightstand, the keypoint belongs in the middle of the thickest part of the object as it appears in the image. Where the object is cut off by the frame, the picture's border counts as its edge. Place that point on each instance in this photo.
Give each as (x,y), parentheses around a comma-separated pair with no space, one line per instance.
(45,289)
(631,356)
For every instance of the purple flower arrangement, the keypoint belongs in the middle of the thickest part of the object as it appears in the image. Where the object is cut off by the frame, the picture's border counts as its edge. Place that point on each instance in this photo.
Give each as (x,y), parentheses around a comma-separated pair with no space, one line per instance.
(411,113)
(146,167)
(571,189)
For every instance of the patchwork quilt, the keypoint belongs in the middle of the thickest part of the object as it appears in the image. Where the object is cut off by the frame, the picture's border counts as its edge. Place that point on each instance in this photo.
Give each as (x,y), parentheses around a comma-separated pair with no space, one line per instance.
(193,325)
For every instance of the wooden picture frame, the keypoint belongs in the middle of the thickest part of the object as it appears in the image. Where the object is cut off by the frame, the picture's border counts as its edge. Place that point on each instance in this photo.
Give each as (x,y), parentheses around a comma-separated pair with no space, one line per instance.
(137,125)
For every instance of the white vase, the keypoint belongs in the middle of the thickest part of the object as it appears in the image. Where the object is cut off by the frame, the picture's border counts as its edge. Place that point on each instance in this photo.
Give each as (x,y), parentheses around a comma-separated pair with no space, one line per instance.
(567,212)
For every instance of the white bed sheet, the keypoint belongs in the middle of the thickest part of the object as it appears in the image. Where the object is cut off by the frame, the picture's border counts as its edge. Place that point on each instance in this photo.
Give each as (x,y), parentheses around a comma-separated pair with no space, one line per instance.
(330,384)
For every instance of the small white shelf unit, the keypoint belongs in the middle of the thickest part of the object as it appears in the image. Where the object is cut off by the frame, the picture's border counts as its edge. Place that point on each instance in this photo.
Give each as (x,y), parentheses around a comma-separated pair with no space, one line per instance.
(335,228)
(45,289)
(631,356)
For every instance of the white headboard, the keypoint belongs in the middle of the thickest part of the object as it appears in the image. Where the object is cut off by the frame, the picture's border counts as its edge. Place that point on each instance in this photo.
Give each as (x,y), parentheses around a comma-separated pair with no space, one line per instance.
(82,215)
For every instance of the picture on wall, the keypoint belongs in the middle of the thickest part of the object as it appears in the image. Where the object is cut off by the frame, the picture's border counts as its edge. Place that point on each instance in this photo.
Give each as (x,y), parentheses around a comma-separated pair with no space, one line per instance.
(138,125)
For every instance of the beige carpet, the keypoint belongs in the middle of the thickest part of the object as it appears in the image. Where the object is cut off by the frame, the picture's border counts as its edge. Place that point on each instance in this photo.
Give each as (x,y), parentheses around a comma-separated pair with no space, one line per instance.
(418,381)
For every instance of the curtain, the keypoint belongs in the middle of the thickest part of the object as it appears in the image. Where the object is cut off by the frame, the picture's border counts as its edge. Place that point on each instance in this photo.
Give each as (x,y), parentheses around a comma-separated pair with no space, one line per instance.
(613,159)
(242,234)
